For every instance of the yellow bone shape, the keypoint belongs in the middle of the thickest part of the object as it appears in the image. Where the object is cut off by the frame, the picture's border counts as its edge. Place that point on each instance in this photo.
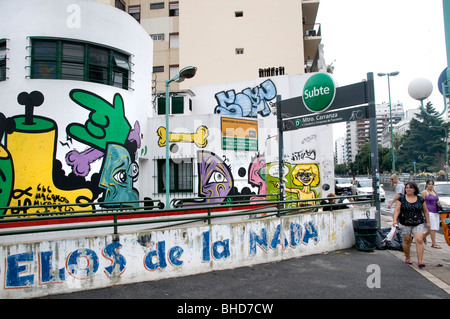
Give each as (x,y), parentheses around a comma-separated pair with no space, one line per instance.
(199,137)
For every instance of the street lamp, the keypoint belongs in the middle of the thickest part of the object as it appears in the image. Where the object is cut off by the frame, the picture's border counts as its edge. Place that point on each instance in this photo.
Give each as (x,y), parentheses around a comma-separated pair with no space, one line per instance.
(390,111)
(446,148)
(185,73)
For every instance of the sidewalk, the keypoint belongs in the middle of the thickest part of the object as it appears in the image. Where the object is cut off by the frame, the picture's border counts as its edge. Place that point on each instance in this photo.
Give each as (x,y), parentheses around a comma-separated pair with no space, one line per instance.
(437,261)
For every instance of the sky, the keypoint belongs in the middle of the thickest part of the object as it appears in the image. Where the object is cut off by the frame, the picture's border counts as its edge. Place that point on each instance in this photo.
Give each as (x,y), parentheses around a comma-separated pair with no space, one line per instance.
(383,36)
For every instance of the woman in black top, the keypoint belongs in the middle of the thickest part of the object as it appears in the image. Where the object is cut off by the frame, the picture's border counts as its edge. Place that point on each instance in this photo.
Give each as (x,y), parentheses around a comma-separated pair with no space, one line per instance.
(410,215)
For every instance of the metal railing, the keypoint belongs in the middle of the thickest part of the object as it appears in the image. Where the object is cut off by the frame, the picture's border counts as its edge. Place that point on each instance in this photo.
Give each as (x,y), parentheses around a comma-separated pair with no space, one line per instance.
(148,212)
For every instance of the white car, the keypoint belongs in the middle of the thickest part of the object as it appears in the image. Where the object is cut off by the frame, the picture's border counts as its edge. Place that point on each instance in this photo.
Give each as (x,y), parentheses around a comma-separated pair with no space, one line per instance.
(364,187)
(342,185)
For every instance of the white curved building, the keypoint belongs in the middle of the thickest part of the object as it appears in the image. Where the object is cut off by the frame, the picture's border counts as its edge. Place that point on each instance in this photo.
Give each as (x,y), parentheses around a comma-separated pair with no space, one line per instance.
(75,79)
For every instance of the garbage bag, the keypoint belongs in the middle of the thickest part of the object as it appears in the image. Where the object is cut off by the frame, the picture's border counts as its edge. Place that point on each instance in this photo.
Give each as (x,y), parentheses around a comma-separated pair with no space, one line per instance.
(395,242)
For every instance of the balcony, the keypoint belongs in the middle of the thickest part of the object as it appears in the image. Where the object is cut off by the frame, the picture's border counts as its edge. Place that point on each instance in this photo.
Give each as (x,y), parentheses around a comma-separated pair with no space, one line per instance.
(311,41)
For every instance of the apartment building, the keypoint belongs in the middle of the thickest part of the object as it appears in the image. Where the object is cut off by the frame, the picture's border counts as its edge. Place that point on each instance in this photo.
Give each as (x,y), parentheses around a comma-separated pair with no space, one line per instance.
(357,132)
(228,41)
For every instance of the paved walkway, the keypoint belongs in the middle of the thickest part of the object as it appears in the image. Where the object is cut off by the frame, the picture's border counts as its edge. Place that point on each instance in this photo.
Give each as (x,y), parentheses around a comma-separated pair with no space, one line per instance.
(437,261)
(346,274)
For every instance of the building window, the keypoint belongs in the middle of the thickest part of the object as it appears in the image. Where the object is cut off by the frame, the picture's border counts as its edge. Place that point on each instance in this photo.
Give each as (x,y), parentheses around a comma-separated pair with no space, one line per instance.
(158,5)
(174,40)
(157,37)
(120,5)
(158,69)
(239,14)
(177,103)
(2,60)
(135,12)
(174,9)
(70,60)
(181,175)
(240,51)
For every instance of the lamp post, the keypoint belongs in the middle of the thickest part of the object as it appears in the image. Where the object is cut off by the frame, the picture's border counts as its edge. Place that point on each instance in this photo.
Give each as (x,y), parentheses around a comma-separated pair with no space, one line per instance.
(390,112)
(185,73)
(446,148)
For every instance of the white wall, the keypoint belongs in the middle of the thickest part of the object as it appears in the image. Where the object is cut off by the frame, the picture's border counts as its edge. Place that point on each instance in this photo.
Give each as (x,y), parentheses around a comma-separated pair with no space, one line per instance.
(88,21)
(44,268)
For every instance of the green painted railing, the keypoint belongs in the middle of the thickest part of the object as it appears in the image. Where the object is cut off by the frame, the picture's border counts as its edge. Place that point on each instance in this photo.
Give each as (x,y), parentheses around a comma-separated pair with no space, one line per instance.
(148,212)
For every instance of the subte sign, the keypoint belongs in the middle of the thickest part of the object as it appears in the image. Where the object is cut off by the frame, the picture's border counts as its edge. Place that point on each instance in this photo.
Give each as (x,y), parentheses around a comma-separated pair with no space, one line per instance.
(319,92)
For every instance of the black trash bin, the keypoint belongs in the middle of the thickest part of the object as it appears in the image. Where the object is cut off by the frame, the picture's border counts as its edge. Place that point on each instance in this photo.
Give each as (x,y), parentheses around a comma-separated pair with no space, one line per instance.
(365,233)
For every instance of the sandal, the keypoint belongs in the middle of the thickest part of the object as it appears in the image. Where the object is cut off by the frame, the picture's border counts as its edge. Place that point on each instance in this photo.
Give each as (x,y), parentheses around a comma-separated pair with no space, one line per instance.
(421,265)
(407,261)
(436,246)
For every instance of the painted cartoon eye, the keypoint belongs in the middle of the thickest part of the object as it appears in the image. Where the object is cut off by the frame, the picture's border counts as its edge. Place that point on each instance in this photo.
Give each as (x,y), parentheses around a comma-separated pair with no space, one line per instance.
(134,171)
(121,176)
(217,177)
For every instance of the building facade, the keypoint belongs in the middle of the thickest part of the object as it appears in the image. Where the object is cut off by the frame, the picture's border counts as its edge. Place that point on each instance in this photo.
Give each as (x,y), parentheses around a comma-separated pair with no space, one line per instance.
(260,38)
(79,125)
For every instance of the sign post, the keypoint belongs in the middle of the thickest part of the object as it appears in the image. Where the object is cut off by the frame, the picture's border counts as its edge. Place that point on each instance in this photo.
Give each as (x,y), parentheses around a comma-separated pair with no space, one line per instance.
(322,103)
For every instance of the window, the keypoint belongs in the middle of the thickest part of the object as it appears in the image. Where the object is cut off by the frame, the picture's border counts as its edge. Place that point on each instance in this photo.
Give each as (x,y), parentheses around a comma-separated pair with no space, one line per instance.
(181,175)
(174,9)
(158,69)
(174,40)
(135,12)
(157,37)
(158,5)
(120,5)
(239,51)
(71,60)
(2,60)
(177,104)
(239,14)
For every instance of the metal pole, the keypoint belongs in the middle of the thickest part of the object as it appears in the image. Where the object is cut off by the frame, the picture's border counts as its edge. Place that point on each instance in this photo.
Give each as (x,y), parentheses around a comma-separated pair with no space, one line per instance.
(280,148)
(392,132)
(374,144)
(167,145)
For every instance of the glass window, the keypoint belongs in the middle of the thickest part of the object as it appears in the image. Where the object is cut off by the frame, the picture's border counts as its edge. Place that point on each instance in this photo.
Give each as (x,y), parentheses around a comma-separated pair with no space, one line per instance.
(174,9)
(2,60)
(135,12)
(177,105)
(73,52)
(158,5)
(71,60)
(181,175)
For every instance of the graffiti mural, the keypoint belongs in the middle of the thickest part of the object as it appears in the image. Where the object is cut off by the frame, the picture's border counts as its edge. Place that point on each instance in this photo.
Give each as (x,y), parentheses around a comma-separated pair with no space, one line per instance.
(107,130)
(42,180)
(38,181)
(215,177)
(257,175)
(301,181)
(199,138)
(248,103)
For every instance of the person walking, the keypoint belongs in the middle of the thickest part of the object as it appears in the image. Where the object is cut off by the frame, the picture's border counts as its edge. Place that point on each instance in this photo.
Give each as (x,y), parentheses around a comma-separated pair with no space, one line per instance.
(399,188)
(412,217)
(431,200)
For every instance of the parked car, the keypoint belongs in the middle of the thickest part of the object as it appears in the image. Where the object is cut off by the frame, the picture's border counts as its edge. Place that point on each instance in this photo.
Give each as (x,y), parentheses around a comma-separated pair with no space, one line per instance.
(342,184)
(364,187)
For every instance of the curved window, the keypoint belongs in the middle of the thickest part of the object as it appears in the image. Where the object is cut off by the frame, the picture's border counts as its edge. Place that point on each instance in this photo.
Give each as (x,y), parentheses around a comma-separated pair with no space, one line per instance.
(71,60)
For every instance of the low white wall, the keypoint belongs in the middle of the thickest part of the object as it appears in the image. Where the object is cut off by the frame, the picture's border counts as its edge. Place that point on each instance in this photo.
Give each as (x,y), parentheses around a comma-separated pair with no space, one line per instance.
(62,266)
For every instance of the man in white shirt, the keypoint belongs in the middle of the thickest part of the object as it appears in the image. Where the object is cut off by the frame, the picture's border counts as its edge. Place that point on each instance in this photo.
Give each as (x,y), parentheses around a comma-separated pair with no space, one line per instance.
(398,187)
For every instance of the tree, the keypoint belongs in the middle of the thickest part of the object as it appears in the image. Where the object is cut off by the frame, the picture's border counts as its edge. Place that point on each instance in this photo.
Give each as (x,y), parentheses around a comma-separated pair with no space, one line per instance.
(421,143)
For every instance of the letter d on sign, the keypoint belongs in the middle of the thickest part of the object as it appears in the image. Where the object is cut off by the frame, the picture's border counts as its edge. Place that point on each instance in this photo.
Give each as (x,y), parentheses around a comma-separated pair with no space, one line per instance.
(374,280)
